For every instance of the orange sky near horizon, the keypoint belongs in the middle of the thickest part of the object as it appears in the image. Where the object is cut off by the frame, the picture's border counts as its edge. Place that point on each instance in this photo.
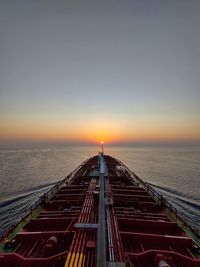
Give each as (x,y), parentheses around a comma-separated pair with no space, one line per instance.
(116,71)
(94,131)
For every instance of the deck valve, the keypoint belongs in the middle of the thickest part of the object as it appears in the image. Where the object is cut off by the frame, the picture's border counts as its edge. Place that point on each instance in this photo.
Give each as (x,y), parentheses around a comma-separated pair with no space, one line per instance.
(161,261)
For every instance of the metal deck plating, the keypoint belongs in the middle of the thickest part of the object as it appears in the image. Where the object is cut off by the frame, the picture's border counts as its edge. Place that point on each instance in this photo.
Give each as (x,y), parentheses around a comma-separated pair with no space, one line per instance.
(101,215)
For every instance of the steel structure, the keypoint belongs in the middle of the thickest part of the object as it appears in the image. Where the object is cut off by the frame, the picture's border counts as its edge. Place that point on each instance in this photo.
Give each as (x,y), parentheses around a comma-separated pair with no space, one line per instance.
(101,215)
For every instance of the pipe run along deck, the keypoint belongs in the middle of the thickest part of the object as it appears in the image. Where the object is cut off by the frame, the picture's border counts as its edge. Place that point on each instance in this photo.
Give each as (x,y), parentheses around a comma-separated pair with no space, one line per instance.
(102,216)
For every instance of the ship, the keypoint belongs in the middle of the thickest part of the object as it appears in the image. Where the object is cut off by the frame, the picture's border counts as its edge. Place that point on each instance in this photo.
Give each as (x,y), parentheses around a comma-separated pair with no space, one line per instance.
(101,215)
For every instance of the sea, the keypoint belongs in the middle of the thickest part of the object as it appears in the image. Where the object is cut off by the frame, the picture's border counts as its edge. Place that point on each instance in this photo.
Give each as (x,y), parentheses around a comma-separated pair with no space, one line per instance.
(27,172)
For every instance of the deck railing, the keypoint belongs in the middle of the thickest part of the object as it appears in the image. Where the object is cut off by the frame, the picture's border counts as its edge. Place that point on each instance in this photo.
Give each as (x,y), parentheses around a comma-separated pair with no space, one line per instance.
(161,200)
(28,212)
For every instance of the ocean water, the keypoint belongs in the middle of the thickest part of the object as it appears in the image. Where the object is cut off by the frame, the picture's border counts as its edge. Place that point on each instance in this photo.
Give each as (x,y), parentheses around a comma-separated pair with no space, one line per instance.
(27,172)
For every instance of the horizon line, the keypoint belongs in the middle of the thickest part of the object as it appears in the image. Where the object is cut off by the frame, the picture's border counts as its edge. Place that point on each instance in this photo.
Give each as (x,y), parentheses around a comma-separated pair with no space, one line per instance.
(92,143)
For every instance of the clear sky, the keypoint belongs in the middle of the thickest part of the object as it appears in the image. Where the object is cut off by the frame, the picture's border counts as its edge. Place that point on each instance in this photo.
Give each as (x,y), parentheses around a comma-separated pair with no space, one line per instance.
(121,71)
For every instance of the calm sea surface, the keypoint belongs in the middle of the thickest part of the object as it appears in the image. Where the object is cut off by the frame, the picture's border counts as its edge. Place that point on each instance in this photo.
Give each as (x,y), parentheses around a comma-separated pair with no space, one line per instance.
(27,172)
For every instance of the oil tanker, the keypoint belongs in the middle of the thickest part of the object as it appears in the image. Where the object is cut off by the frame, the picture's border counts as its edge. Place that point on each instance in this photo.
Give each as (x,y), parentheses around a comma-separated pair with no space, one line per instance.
(104,215)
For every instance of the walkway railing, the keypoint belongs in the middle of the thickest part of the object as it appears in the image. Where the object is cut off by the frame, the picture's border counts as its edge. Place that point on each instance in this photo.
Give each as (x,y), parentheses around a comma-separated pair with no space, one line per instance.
(29,211)
(161,200)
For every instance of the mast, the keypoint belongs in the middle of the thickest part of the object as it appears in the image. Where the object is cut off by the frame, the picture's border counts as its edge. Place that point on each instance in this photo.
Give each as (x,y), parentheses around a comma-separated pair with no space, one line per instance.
(102,147)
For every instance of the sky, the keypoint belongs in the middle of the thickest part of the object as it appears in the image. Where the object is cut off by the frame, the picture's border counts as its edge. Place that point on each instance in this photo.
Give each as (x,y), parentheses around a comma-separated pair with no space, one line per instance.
(85,71)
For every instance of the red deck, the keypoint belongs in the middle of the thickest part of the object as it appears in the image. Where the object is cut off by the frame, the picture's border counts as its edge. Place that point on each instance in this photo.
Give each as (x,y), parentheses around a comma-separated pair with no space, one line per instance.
(138,232)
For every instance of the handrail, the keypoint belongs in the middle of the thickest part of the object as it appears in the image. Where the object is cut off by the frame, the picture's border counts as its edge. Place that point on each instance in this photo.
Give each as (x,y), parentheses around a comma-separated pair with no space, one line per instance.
(44,198)
(49,194)
(160,199)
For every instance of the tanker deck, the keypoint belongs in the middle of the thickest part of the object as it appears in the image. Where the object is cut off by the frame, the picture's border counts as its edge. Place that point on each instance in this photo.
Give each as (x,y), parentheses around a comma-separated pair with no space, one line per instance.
(101,215)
